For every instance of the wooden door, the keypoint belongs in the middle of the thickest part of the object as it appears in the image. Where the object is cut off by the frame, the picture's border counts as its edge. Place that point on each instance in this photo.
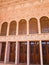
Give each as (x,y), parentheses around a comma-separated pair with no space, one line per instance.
(44,49)
(37,52)
(48,52)
(23,52)
(12,52)
(34,53)
(3,51)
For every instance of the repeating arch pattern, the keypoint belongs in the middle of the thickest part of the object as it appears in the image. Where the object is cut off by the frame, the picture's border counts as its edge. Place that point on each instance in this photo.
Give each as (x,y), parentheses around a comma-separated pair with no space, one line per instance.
(22,29)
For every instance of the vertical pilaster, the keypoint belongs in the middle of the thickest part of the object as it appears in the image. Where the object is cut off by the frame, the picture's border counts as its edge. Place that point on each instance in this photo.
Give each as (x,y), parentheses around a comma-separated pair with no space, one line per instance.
(41,56)
(28,53)
(17,53)
(27,27)
(41,0)
(0,28)
(17,28)
(7,49)
(17,47)
(39,27)
(39,31)
(8,29)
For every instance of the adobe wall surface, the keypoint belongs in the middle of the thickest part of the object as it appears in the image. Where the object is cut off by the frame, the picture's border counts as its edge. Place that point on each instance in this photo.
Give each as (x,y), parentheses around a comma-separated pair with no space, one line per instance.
(25,10)
(10,11)
(18,10)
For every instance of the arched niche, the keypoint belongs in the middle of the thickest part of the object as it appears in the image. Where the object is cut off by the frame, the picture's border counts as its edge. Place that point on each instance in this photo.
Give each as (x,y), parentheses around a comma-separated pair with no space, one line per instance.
(12,29)
(22,26)
(4,29)
(33,26)
(44,22)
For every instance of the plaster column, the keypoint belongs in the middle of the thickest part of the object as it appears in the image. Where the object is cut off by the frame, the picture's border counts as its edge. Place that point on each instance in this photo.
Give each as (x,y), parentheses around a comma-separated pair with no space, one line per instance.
(28,53)
(8,27)
(0,28)
(7,50)
(17,28)
(17,53)
(0,48)
(41,0)
(39,31)
(27,27)
(39,27)
(41,56)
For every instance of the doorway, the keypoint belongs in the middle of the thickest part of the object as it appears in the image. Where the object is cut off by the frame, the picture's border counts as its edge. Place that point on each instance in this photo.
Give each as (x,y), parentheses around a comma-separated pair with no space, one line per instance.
(45,50)
(23,52)
(3,51)
(34,53)
(12,52)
